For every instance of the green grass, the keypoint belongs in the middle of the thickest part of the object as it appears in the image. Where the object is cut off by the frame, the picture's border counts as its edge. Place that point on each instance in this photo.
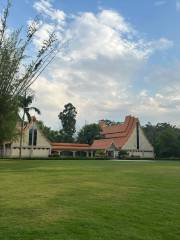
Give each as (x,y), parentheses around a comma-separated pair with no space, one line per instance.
(89,200)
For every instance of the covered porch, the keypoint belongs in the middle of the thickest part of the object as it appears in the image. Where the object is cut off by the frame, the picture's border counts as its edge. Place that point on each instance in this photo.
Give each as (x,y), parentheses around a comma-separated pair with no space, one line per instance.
(106,147)
(5,149)
(72,150)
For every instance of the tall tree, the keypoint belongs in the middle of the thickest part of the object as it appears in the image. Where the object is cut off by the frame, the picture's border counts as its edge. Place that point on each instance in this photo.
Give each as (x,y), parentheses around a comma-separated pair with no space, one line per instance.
(68,121)
(24,103)
(89,133)
(18,70)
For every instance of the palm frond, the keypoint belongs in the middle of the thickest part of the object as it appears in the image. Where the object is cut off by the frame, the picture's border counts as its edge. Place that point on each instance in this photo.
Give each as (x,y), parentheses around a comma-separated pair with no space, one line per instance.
(25,101)
(35,109)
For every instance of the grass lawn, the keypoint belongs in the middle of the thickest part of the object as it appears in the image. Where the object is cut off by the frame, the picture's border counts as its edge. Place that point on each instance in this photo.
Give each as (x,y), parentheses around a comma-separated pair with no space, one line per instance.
(89,200)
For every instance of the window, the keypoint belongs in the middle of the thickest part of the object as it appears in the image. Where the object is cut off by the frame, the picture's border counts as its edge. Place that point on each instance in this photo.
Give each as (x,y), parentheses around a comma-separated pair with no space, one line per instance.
(137,135)
(32,137)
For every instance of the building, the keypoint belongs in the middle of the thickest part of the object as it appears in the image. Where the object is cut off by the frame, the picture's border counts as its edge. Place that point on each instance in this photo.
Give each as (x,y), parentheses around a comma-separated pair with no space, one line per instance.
(128,136)
(34,143)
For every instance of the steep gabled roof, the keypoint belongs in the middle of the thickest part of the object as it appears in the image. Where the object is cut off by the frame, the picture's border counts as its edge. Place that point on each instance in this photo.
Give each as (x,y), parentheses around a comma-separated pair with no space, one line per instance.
(103,144)
(119,133)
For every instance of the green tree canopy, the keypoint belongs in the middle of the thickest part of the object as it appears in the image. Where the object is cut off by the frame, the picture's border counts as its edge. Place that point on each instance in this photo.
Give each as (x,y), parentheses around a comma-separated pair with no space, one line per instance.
(109,122)
(68,121)
(167,144)
(89,133)
(165,139)
(8,119)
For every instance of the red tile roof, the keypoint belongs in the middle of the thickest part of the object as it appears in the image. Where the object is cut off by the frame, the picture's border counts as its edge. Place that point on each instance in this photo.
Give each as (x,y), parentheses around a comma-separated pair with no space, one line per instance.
(117,134)
(102,144)
(70,146)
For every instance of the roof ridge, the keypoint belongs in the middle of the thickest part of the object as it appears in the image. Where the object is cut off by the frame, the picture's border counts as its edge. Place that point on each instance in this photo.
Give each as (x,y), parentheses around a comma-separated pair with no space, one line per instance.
(126,123)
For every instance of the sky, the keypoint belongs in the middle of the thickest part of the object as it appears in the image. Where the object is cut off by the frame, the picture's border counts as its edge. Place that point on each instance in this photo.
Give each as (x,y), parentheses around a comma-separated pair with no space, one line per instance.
(122,57)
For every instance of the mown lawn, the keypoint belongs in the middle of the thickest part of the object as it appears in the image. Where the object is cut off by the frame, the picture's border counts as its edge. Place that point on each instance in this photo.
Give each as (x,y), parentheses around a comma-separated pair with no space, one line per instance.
(89,200)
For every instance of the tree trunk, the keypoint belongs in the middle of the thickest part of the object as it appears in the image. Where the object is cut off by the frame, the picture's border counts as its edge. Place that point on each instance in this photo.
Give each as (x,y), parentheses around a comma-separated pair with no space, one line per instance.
(21,136)
(32,141)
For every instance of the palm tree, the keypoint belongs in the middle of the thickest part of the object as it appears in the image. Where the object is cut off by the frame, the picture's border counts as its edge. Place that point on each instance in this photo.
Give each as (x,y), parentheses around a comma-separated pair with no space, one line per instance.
(24,103)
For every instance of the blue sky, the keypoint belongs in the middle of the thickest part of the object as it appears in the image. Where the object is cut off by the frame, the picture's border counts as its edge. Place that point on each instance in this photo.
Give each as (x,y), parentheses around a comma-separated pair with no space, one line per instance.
(149,17)
(152,18)
(123,58)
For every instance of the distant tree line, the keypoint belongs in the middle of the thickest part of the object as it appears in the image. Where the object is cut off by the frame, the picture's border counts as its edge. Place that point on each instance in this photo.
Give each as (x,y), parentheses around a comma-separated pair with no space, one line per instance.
(165,139)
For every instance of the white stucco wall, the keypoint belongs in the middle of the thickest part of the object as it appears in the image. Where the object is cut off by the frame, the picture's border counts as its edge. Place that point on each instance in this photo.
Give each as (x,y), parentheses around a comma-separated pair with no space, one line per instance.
(145,148)
(27,152)
(42,148)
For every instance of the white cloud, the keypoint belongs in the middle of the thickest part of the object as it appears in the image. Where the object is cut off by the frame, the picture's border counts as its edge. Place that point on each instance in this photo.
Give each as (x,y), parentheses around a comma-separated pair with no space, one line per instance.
(103,34)
(97,70)
(178,5)
(160,3)
(45,7)
(115,21)
(162,44)
(43,33)
(164,103)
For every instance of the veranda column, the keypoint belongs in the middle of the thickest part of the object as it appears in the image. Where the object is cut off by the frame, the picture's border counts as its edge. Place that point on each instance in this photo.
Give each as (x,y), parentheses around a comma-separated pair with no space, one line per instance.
(11,149)
(4,149)
(74,153)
